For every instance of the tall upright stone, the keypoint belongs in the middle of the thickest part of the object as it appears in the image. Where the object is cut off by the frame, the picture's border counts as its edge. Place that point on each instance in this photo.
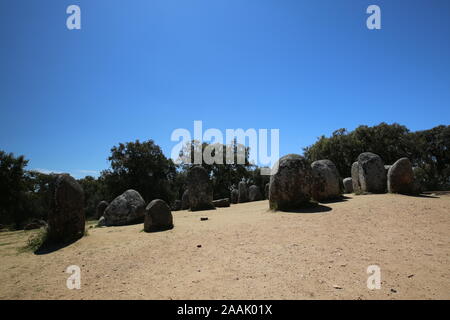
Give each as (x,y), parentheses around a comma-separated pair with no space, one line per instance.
(66,218)
(234,196)
(243,192)
(355,177)
(200,189)
(290,186)
(372,174)
(266,191)
(102,205)
(254,194)
(185,200)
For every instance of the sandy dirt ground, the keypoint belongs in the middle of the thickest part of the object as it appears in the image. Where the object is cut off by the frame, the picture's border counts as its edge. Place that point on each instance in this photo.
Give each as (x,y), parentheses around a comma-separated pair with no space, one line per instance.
(249,252)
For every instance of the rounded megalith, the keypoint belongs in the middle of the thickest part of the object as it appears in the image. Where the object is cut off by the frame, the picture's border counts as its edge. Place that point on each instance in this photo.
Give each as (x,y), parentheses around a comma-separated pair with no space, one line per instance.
(254,194)
(185,200)
(266,191)
(290,186)
(66,219)
(326,184)
(221,203)
(102,205)
(128,208)
(400,178)
(158,216)
(234,196)
(243,192)
(200,189)
(355,177)
(348,185)
(372,175)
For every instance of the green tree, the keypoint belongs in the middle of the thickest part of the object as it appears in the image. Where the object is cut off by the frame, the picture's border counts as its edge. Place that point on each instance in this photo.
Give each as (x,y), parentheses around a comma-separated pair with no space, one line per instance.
(12,189)
(140,166)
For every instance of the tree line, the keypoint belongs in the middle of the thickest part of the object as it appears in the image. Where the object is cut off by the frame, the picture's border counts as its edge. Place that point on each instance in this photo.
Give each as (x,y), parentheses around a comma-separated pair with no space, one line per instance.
(142,166)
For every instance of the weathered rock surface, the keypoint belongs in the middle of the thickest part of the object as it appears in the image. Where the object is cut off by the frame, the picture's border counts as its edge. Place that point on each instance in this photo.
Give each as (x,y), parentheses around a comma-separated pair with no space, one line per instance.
(243,192)
(372,175)
(158,216)
(355,177)
(254,194)
(176,205)
(185,200)
(326,185)
(400,178)
(102,205)
(200,189)
(128,208)
(290,186)
(221,203)
(66,219)
(234,196)
(348,185)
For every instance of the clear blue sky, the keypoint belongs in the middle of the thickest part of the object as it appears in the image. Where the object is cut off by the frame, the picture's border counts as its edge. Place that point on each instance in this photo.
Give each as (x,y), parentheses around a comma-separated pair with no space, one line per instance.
(140,69)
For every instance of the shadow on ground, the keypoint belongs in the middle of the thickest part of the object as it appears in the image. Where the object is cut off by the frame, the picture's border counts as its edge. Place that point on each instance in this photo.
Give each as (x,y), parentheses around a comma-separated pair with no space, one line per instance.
(49,248)
(313,208)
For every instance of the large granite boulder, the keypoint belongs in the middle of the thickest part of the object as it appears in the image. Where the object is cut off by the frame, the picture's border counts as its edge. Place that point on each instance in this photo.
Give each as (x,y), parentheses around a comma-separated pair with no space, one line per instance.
(400,178)
(128,208)
(234,196)
(102,205)
(372,175)
(254,194)
(158,216)
(355,177)
(185,200)
(66,218)
(348,185)
(221,203)
(243,192)
(200,189)
(326,185)
(290,186)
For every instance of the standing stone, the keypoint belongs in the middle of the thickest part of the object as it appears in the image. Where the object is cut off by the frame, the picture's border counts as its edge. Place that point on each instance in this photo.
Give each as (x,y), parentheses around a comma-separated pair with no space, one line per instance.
(128,208)
(266,190)
(401,177)
(290,186)
(254,194)
(185,200)
(326,183)
(102,205)
(221,203)
(243,192)
(348,185)
(176,205)
(66,219)
(355,178)
(234,196)
(200,189)
(158,216)
(372,175)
